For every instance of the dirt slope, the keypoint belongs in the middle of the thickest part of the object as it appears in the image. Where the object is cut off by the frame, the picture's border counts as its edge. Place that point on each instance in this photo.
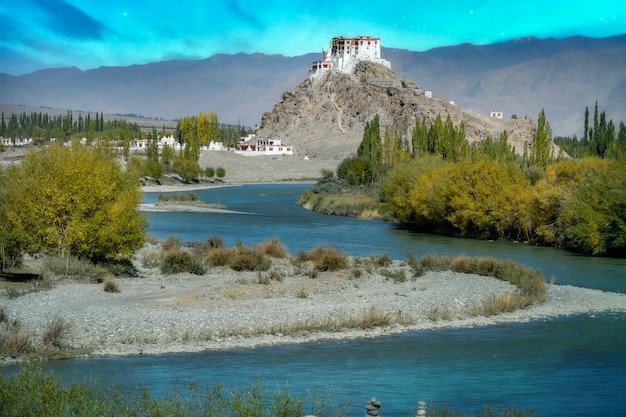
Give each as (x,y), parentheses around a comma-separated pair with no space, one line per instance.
(325,118)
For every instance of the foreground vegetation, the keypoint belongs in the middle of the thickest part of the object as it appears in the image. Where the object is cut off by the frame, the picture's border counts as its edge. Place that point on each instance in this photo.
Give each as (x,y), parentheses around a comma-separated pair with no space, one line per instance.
(35,392)
(438,182)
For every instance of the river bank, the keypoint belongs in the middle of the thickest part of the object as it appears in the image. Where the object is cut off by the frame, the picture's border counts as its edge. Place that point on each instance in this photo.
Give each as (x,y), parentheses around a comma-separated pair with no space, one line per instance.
(158,314)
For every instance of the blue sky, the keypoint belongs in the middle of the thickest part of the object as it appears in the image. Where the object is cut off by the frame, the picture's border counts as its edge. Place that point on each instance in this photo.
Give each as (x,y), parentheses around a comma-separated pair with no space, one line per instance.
(37,34)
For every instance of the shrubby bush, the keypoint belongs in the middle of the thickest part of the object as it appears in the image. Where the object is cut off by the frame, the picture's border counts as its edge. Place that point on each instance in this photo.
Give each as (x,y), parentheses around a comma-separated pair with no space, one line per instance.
(324,258)
(178,261)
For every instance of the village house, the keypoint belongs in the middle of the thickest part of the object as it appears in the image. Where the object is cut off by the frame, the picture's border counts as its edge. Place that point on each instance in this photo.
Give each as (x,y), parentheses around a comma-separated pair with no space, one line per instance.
(259,147)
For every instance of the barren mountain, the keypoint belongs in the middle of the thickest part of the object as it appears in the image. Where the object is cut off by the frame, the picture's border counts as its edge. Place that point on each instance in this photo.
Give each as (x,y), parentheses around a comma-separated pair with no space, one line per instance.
(519,77)
(326,117)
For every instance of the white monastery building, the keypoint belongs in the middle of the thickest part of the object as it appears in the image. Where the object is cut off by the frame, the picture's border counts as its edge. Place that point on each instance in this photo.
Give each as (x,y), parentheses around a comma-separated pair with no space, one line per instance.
(261,147)
(345,53)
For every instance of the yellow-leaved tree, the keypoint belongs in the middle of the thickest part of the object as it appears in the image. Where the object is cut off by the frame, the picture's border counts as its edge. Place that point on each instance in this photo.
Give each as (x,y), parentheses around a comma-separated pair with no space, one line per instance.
(70,201)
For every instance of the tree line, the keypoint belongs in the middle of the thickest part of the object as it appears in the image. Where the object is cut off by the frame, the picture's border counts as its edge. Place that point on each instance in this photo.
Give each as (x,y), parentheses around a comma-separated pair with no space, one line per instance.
(438,182)
(602,138)
(41,126)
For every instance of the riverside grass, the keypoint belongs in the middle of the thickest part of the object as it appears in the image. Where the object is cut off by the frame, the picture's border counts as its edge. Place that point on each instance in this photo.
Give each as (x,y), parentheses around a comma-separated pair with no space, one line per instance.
(34,391)
(530,283)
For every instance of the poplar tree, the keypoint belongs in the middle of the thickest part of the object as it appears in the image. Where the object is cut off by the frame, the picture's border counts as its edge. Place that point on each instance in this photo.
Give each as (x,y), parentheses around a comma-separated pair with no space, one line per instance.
(541,150)
(371,146)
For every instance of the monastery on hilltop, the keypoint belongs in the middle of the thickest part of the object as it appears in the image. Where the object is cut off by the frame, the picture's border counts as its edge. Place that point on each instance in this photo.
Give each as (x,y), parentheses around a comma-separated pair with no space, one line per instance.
(345,53)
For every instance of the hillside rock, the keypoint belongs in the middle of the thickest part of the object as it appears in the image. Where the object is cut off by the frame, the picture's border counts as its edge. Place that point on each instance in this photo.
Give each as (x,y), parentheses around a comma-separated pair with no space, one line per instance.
(326,117)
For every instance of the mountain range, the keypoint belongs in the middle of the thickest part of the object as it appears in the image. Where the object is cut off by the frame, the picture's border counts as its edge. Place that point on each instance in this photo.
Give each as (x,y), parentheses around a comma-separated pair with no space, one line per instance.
(518,77)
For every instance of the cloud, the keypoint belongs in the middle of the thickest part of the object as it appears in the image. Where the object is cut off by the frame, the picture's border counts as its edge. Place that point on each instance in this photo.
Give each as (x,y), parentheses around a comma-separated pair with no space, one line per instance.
(244,15)
(67,20)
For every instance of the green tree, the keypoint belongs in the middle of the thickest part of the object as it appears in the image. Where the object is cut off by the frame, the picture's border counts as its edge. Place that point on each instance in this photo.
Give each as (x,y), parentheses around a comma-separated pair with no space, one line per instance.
(356,170)
(167,155)
(187,168)
(541,150)
(595,219)
(72,201)
(371,146)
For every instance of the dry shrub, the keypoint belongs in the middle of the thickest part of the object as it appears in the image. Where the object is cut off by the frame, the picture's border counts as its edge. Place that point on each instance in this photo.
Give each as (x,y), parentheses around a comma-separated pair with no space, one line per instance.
(170,244)
(444,313)
(151,260)
(244,262)
(55,332)
(177,261)
(215,242)
(381,259)
(273,248)
(219,256)
(15,343)
(110,285)
(324,258)
(501,303)
(249,259)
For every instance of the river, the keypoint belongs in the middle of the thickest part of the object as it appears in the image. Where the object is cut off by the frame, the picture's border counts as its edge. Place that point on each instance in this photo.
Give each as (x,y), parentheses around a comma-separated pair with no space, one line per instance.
(574,365)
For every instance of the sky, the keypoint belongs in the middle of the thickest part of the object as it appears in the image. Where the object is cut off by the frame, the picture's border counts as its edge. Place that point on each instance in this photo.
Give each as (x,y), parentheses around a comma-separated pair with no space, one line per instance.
(37,34)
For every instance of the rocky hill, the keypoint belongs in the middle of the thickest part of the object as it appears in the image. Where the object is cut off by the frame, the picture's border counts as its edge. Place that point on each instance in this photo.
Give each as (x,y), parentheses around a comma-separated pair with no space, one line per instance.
(326,117)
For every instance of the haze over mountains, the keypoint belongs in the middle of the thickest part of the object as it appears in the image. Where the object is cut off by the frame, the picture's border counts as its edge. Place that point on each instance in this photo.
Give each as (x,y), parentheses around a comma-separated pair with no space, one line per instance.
(518,77)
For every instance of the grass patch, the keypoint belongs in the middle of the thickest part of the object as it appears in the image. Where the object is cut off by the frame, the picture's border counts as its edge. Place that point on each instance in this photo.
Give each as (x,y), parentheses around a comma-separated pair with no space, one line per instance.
(362,206)
(178,197)
(444,313)
(70,266)
(382,259)
(34,391)
(530,283)
(396,275)
(356,273)
(368,319)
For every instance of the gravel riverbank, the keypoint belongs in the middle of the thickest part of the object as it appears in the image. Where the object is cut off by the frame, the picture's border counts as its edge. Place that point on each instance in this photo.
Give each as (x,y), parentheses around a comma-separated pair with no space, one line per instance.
(156,314)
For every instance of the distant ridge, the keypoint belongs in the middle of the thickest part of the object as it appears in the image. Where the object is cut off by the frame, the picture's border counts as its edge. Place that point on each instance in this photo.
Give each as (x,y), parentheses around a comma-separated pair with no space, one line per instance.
(519,77)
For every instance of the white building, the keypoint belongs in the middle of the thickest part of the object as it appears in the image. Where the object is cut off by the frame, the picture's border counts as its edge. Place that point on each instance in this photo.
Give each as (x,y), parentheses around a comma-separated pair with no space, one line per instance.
(496,114)
(345,53)
(263,147)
